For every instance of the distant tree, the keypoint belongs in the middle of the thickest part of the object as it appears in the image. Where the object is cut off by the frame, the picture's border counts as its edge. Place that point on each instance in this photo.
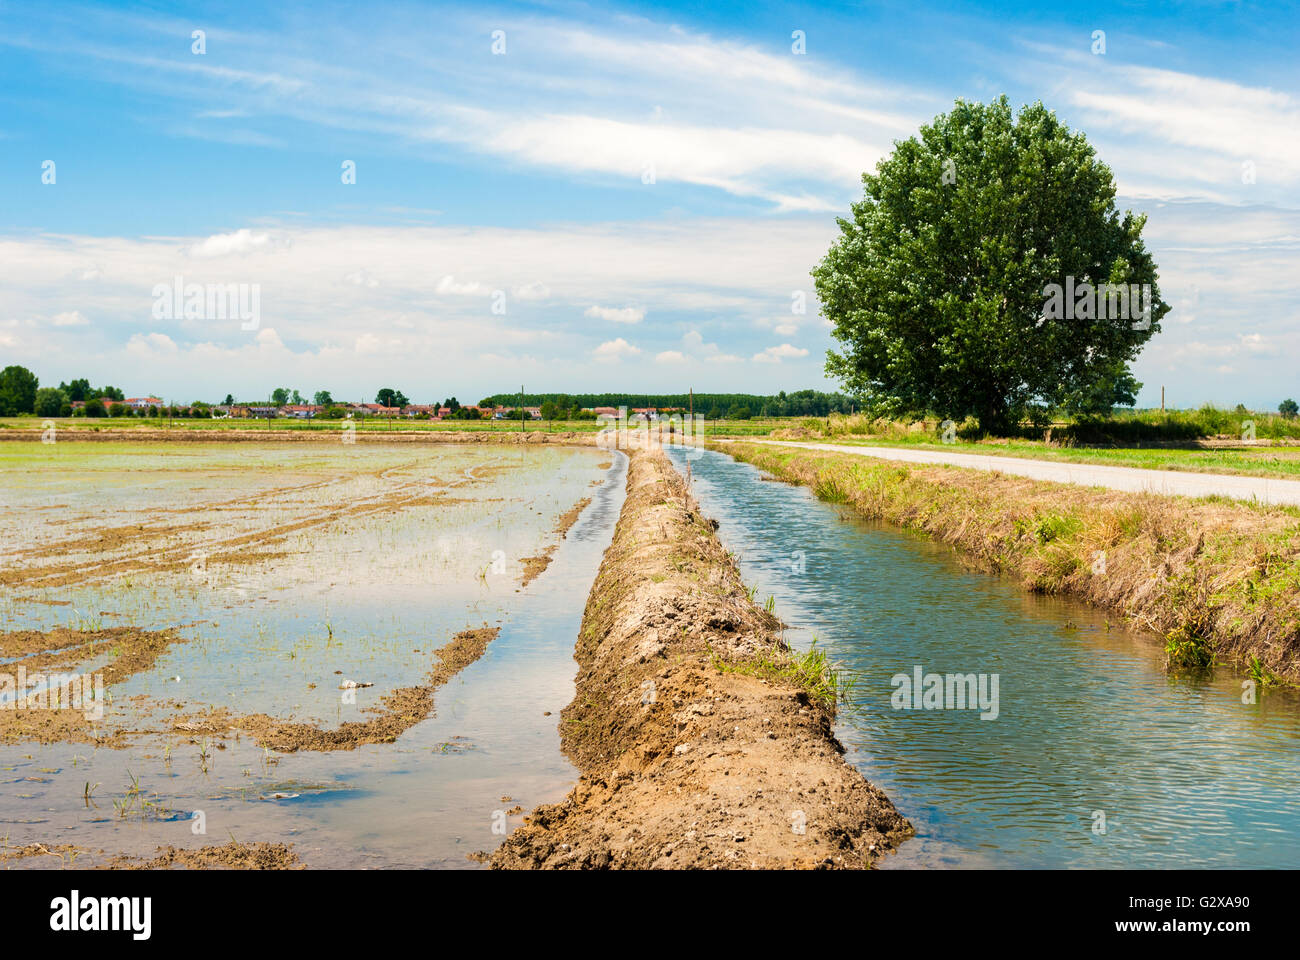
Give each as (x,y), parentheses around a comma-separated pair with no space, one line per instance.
(938,286)
(50,401)
(323,398)
(106,393)
(77,389)
(739,413)
(452,404)
(230,400)
(95,408)
(117,409)
(17,391)
(279,396)
(1288,409)
(386,397)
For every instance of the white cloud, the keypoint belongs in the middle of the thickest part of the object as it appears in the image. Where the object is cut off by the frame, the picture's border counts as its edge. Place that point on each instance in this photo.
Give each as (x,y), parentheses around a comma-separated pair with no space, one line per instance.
(785,351)
(615,350)
(1228,122)
(151,345)
(70,318)
(448,284)
(755,122)
(368,344)
(361,278)
(782,326)
(267,337)
(224,244)
(532,291)
(670,356)
(615,314)
(696,348)
(744,161)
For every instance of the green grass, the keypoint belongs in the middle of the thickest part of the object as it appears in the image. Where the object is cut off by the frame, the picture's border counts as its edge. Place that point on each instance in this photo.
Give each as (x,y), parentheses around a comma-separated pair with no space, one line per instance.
(1247,461)
(1219,580)
(811,671)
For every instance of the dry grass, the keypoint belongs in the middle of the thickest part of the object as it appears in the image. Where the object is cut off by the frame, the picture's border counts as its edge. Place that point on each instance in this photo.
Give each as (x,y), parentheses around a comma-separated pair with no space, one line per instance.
(1220,580)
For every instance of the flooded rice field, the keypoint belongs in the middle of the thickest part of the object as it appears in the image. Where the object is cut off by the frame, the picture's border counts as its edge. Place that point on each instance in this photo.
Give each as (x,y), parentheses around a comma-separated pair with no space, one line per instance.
(361,650)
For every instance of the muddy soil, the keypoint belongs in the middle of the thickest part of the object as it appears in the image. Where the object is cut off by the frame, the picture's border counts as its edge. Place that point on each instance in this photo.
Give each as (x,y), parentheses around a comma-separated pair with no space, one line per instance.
(397,712)
(694,753)
(44,717)
(230,856)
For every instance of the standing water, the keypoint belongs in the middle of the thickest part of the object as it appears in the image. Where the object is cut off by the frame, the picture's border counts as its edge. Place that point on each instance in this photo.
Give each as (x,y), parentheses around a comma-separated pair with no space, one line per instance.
(1097,757)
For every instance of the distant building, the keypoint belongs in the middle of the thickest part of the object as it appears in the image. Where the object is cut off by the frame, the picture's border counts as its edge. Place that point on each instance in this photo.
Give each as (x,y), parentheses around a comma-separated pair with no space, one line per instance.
(301,411)
(503,413)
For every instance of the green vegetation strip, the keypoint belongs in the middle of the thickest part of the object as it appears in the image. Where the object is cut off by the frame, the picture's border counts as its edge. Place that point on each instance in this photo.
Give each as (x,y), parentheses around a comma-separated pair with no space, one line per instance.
(1220,581)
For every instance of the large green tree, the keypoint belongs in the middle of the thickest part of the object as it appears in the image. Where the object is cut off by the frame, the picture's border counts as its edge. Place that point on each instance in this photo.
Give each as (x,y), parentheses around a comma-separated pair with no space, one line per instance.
(17,391)
(938,286)
(50,401)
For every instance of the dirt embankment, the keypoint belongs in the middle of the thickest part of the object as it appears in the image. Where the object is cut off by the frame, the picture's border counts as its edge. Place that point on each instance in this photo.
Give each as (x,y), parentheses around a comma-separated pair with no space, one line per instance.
(694,751)
(1219,580)
(534,567)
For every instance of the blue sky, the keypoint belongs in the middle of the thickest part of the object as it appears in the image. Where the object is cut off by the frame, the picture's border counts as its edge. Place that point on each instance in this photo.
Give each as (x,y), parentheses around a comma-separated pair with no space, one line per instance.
(504,227)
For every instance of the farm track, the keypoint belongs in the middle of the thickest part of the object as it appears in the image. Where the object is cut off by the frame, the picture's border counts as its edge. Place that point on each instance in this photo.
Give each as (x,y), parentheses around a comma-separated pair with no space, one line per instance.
(1129,479)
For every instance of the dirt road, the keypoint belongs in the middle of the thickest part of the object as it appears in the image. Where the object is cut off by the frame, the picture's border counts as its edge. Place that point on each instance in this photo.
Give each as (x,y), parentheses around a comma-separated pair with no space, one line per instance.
(1132,479)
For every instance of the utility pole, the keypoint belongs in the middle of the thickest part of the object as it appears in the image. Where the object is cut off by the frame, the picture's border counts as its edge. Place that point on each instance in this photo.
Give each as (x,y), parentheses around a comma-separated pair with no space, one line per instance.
(522,412)
(1162,398)
(694,438)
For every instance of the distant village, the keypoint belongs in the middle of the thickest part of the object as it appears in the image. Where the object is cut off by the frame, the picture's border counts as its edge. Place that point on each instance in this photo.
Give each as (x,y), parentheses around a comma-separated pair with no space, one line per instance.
(157,407)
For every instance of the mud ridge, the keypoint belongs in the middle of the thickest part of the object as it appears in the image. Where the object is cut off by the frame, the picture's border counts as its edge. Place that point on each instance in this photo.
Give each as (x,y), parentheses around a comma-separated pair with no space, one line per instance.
(693,753)
(396,713)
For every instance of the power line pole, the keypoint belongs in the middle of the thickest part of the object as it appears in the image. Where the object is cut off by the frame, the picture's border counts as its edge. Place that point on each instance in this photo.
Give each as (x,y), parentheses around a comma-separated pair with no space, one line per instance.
(694,438)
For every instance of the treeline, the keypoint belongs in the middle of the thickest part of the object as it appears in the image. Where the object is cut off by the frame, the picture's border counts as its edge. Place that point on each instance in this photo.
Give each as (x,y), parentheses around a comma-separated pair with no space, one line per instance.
(21,392)
(715,406)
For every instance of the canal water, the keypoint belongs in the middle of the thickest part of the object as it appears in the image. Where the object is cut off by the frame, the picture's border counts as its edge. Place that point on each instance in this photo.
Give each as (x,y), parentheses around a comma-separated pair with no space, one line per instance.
(1096,757)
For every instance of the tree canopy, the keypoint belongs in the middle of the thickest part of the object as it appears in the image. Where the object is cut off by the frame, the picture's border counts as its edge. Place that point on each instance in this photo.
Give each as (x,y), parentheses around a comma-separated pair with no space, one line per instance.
(938,286)
(17,391)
